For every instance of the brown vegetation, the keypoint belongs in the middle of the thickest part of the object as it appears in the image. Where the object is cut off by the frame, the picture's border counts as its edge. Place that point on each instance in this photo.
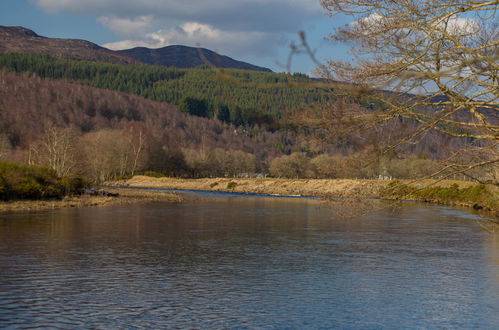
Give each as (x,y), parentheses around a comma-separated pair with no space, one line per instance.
(104,134)
(29,105)
(305,187)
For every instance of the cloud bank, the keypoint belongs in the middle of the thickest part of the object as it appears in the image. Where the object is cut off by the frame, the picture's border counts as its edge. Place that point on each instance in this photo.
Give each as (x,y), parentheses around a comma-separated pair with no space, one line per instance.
(235,27)
(194,34)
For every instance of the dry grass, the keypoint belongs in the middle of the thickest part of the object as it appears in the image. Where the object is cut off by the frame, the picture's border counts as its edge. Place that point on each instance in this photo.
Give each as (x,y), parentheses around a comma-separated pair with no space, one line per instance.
(305,187)
(324,188)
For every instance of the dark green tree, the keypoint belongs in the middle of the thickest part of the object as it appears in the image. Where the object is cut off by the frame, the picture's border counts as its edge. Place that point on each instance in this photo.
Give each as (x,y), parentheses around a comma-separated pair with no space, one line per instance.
(194,106)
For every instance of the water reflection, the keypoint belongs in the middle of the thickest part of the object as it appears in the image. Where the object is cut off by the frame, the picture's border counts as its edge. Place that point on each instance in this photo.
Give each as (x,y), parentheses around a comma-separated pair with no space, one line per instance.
(247,262)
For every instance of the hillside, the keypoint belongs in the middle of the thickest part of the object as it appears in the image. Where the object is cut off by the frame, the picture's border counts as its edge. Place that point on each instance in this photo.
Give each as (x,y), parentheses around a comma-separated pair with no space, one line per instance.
(240,97)
(19,39)
(29,105)
(109,123)
(250,100)
(186,57)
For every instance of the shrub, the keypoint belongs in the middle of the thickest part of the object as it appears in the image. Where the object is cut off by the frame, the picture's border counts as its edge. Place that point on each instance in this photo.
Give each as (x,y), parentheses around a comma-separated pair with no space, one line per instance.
(326,166)
(73,184)
(295,165)
(33,182)
(453,193)
(154,174)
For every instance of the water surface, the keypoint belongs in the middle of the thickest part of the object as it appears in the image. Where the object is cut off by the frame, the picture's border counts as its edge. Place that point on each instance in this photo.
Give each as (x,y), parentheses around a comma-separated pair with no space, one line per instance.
(247,262)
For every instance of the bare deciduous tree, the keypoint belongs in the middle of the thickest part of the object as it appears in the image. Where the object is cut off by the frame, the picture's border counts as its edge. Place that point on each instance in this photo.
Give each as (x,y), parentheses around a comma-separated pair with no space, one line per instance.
(293,166)
(107,154)
(438,59)
(136,139)
(56,149)
(4,147)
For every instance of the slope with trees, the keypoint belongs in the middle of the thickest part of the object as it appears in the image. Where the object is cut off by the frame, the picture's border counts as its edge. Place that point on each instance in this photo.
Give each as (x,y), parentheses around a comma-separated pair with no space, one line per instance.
(235,96)
(73,128)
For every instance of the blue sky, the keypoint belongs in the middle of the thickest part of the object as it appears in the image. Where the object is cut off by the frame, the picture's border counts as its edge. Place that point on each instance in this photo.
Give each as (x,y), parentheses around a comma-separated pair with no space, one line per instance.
(257,31)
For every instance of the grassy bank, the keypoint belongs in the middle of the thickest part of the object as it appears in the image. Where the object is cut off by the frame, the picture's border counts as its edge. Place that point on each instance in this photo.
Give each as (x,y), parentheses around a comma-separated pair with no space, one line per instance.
(483,197)
(24,187)
(478,196)
(126,196)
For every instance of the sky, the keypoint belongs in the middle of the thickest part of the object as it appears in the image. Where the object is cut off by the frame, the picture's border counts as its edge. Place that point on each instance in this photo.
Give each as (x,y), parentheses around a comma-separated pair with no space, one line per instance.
(256,31)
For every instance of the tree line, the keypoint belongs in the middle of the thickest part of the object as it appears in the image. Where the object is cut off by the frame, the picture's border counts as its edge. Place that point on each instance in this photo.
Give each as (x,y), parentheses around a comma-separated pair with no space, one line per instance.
(111,154)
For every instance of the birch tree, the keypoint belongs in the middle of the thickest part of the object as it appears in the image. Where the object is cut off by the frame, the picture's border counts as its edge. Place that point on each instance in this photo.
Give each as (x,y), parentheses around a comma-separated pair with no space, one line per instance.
(56,149)
(4,147)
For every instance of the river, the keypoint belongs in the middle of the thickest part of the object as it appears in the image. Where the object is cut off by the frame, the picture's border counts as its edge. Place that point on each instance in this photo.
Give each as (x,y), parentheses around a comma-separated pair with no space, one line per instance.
(248,262)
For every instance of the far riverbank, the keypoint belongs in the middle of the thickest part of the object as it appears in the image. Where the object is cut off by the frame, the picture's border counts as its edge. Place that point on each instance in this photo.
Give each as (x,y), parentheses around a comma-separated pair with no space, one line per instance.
(447,192)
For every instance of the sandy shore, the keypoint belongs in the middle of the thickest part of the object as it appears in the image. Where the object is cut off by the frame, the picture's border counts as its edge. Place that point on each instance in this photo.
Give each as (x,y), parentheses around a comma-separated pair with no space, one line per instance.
(126,196)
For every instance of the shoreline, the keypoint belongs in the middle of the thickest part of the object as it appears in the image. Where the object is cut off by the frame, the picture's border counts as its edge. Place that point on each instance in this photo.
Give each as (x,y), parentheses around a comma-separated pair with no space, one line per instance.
(430,191)
(487,201)
(126,197)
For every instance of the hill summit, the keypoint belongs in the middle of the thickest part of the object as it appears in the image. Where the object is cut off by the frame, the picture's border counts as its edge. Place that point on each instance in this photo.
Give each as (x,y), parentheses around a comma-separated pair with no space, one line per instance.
(187,57)
(21,40)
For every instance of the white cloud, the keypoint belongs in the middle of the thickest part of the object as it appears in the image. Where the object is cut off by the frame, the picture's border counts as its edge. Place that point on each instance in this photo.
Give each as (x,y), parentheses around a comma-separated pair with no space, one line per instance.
(455,26)
(252,15)
(232,27)
(193,29)
(127,27)
(371,20)
(461,27)
(127,44)
(194,34)
(54,6)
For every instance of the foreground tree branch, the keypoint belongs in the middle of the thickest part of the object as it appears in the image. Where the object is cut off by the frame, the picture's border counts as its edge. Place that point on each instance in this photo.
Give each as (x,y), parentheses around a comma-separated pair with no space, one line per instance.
(437,62)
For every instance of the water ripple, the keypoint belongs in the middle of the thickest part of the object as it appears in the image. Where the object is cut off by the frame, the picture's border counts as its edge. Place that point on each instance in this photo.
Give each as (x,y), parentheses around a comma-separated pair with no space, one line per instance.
(246,263)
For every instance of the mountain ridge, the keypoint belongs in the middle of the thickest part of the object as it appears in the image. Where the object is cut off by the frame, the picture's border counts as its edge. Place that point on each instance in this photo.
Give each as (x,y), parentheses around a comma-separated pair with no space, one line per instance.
(23,40)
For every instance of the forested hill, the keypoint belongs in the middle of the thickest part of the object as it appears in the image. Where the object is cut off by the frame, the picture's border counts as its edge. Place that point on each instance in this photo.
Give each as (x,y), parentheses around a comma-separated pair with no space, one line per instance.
(31,105)
(239,97)
(246,99)
(104,134)
(187,57)
(186,143)
(19,39)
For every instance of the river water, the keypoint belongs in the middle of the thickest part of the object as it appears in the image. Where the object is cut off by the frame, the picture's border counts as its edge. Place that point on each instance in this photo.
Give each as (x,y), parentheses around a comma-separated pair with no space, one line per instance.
(248,262)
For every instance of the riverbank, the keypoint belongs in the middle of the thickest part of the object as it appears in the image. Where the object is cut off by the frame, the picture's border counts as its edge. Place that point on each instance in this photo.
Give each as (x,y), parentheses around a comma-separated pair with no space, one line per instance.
(447,192)
(125,197)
